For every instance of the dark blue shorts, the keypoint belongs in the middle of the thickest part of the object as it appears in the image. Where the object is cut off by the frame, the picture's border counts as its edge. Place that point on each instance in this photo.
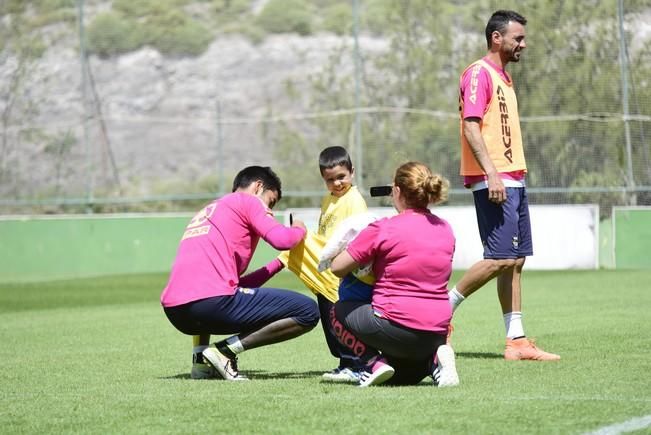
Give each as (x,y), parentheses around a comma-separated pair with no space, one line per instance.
(505,229)
(247,310)
(352,289)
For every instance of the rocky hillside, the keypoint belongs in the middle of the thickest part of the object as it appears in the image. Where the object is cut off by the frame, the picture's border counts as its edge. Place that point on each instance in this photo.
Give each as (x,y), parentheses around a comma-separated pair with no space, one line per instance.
(152,119)
(148,123)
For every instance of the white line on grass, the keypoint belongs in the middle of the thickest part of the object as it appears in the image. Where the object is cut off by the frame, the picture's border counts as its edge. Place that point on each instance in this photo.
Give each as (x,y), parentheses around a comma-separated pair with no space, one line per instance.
(603,398)
(627,426)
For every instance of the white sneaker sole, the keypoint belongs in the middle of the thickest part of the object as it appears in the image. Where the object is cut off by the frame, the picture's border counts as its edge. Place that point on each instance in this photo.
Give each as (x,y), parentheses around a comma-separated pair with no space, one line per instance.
(447,367)
(341,377)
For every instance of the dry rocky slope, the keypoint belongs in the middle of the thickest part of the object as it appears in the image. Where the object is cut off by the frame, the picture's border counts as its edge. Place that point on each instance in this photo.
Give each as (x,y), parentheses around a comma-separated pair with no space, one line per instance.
(160,113)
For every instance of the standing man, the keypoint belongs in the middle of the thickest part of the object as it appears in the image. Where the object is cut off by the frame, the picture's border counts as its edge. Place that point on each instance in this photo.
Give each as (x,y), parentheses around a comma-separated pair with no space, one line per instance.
(494,168)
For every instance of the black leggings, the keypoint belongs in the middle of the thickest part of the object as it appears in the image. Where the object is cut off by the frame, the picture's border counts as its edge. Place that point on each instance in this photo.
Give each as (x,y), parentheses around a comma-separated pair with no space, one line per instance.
(410,352)
(338,350)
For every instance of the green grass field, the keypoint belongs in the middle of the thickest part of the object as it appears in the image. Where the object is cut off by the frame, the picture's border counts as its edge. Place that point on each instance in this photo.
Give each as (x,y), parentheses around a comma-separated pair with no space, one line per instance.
(99,356)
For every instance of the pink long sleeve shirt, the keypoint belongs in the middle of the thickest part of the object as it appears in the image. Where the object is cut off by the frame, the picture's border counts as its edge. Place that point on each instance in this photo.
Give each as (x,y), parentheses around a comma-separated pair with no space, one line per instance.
(217,247)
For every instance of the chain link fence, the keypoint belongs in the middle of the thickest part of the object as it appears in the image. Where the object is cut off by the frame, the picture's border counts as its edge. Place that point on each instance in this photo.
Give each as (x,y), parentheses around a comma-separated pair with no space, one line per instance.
(93,122)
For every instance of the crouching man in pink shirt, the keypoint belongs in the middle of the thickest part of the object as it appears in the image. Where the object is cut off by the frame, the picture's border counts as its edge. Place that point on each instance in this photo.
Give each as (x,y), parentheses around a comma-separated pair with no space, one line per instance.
(206,292)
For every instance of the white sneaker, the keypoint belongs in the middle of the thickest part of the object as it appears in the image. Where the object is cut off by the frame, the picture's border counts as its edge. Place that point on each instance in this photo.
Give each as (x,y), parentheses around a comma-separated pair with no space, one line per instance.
(378,372)
(445,373)
(342,375)
(225,366)
(203,371)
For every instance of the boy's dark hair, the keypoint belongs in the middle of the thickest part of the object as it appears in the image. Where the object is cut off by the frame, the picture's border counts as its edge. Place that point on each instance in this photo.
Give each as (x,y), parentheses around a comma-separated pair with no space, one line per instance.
(334,156)
(251,174)
(499,21)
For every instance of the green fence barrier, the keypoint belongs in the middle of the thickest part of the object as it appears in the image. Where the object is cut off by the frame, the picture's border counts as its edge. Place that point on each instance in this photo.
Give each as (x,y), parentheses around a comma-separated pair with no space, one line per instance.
(632,237)
(45,248)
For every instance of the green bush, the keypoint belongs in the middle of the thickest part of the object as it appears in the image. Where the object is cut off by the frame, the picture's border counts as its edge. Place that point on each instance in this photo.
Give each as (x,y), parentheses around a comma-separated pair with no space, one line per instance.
(190,39)
(230,7)
(45,6)
(26,46)
(44,12)
(30,47)
(175,34)
(66,15)
(329,3)
(286,16)
(230,13)
(172,33)
(375,16)
(12,7)
(110,34)
(144,8)
(338,19)
(250,31)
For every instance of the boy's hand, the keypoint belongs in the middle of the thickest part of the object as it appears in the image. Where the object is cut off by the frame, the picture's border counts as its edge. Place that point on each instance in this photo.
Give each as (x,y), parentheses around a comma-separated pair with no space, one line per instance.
(299,224)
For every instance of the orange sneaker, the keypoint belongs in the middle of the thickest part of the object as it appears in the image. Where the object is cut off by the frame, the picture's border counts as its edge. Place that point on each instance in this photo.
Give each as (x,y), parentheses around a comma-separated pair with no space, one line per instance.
(526,349)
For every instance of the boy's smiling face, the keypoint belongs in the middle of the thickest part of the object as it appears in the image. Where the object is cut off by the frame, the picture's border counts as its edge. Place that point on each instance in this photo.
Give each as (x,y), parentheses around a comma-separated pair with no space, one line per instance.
(338,179)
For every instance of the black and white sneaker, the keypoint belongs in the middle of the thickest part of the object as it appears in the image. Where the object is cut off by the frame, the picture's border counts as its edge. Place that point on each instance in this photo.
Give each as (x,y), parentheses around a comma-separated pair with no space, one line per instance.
(376,373)
(445,373)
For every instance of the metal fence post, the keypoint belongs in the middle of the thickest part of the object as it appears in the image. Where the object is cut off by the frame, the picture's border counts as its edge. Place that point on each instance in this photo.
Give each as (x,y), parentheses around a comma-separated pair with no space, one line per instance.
(623,65)
(359,152)
(84,105)
(220,149)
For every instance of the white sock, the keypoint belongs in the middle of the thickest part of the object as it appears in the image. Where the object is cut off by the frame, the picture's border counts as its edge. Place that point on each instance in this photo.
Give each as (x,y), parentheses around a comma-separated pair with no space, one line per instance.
(199,349)
(513,324)
(455,298)
(234,344)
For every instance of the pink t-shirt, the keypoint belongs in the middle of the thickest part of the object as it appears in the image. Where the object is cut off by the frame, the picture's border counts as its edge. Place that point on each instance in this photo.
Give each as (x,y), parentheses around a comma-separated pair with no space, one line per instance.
(412,261)
(217,247)
(475,105)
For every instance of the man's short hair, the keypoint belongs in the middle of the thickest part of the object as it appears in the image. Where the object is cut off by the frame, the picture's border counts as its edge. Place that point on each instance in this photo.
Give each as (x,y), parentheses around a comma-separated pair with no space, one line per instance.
(251,174)
(499,21)
(334,156)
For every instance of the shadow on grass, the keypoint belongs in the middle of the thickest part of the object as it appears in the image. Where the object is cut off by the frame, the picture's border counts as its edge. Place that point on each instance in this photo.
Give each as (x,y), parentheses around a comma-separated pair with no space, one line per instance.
(480,355)
(260,374)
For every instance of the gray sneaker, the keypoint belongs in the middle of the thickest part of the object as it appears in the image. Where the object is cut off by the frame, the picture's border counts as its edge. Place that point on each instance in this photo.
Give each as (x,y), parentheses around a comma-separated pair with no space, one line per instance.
(445,372)
(225,366)
(342,375)
(203,371)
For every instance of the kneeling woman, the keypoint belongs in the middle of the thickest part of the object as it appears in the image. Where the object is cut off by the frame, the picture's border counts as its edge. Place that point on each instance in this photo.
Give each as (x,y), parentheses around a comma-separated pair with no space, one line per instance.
(401,334)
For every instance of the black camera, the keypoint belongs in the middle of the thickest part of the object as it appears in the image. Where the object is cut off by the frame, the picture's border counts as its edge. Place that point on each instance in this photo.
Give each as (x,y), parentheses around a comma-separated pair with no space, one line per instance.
(381,190)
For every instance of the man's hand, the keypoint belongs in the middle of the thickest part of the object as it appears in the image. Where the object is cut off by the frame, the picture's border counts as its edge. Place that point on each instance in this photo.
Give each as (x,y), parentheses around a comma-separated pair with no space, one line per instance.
(496,189)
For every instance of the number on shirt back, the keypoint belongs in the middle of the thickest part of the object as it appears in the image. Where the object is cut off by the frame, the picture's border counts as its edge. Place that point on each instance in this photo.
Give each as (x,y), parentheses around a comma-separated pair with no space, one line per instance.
(197,225)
